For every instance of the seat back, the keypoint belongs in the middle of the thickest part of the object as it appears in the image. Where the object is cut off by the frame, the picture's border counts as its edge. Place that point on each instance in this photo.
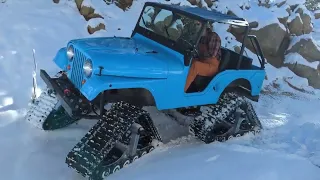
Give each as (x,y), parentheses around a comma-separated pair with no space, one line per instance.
(225,53)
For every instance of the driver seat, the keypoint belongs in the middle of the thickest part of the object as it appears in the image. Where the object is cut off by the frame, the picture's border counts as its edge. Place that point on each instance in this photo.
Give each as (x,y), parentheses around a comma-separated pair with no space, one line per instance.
(201,82)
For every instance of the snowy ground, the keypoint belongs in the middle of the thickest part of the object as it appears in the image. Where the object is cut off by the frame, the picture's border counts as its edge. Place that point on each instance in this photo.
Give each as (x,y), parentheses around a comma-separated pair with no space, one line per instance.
(288,149)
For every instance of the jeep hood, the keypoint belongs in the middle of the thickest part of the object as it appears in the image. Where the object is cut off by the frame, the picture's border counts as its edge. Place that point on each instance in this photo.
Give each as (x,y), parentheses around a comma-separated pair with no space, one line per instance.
(123,57)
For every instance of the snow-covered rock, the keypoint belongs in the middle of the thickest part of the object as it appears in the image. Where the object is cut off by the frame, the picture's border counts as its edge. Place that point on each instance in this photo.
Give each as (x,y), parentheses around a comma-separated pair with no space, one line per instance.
(317,14)
(303,68)
(270,38)
(124,4)
(296,25)
(306,46)
(305,17)
(87,10)
(95,25)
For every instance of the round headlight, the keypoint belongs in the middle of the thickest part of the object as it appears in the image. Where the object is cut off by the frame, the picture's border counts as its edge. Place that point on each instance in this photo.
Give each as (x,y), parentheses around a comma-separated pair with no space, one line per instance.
(87,68)
(70,52)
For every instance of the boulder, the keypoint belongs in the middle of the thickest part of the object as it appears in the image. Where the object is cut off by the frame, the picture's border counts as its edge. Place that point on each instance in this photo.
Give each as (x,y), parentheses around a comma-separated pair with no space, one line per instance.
(194,2)
(306,19)
(281,3)
(317,14)
(296,25)
(265,3)
(124,4)
(273,40)
(299,66)
(93,15)
(293,6)
(209,3)
(307,24)
(95,25)
(85,10)
(307,48)
(78,3)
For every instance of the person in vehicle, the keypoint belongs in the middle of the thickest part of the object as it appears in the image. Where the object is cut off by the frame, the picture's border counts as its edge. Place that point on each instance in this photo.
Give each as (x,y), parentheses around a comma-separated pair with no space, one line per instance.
(207,63)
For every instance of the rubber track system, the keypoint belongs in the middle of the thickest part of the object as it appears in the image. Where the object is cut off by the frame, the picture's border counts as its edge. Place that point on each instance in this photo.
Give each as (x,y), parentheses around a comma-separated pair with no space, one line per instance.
(232,116)
(46,112)
(105,148)
(40,109)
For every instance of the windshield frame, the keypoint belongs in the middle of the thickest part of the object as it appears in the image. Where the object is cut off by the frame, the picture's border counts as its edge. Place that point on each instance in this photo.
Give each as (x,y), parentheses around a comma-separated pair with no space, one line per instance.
(174,45)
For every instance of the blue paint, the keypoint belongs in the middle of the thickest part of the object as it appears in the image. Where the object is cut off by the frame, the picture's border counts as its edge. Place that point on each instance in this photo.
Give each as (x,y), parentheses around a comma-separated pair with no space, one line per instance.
(61,59)
(162,73)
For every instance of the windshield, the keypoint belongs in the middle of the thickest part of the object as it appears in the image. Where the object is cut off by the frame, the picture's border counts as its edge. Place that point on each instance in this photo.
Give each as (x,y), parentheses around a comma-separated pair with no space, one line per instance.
(170,25)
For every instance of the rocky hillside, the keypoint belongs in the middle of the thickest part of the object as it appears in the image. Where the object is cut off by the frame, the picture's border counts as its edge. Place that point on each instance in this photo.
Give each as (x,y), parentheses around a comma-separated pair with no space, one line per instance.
(284,28)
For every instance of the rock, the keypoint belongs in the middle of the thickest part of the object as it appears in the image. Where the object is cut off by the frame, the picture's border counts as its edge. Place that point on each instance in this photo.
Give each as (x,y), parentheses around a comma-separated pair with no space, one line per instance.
(283,21)
(56,1)
(307,48)
(264,3)
(209,3)
(296,26)
(273,39)
(93,15)
(281,3)
(89,12)
(270,38)
(85,11)
(288,9)
(282,13)
(303,70)
(307,25)
(78,3)
(293,7)
(317,14)
(124,4)
(193,2)
(98,27)
(306,19)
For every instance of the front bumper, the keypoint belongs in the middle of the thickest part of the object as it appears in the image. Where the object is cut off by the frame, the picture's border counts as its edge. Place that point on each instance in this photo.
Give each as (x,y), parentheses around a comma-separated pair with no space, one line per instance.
(74,103)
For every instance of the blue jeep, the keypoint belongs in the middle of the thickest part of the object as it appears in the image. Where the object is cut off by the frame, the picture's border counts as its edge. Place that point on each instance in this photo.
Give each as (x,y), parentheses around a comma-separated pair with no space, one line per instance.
(148,69)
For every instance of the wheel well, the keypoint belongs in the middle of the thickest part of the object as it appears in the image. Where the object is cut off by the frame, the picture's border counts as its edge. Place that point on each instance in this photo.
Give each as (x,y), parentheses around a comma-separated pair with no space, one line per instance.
(242,87)
(240,83)
(135,96)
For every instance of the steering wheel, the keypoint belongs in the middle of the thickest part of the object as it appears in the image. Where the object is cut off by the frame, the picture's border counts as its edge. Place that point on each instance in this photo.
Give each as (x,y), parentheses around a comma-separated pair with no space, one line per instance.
(194,49)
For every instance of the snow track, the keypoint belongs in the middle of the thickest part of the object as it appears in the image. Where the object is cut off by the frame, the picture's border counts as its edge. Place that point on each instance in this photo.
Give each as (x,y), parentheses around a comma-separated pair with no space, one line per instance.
(41,108)
(288,148)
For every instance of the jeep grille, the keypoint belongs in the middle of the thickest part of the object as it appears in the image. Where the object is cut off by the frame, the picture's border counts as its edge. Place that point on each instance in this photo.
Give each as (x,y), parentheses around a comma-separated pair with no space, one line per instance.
(77,68)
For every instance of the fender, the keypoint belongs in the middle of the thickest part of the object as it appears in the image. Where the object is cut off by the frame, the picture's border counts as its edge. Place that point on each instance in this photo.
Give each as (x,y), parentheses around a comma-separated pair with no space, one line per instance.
(61,59)
(224,79)
(97,84)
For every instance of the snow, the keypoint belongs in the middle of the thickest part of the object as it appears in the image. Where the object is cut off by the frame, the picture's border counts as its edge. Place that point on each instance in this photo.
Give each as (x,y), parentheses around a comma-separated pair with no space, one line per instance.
(293,16)
(288,149)
(295,2)
(293,58)
(87,3)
